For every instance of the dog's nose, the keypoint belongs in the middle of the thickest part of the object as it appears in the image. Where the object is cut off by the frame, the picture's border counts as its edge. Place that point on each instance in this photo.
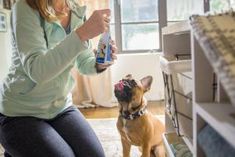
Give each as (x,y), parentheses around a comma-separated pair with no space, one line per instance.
(126,113)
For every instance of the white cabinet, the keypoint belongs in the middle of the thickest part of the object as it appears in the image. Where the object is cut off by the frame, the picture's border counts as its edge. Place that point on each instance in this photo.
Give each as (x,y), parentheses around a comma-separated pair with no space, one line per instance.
(221,114)
(213,51)
(177,73)
(213,40)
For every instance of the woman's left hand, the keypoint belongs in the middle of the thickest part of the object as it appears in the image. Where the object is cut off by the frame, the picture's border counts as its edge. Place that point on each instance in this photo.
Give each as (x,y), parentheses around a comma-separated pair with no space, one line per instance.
(102,67)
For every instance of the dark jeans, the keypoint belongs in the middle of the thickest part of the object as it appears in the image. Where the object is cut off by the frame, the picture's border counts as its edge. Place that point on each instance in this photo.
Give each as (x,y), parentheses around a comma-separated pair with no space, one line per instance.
(67,135)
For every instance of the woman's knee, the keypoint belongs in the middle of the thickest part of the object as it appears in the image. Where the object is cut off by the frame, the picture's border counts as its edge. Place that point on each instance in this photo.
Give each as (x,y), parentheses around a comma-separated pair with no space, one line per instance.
(94,152)
(38,151)
(27,137)
(78,133)
(7,154)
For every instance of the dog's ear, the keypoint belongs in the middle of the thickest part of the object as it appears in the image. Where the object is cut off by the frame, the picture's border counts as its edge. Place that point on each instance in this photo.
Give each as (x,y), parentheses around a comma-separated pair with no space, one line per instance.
(146,82)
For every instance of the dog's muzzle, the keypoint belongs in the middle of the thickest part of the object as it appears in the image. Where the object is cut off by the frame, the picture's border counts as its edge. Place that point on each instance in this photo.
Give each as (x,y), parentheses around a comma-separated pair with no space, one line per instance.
(123,90)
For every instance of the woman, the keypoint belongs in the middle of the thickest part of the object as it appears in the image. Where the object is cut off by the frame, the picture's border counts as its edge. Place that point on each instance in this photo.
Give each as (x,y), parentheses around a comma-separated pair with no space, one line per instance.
(37,117)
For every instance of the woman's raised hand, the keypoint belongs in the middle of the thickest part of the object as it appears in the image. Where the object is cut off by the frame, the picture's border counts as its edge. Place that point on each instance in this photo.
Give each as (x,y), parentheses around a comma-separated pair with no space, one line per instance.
(95,25)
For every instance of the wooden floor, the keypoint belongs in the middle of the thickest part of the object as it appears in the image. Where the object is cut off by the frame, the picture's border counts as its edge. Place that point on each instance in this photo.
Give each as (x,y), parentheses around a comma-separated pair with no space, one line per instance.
(155,107)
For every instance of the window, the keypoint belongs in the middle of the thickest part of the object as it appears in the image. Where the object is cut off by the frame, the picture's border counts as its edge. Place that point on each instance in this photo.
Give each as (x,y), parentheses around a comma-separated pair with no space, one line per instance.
(179,10)
(221,5)
(232,4)
(136,24)
(139,24)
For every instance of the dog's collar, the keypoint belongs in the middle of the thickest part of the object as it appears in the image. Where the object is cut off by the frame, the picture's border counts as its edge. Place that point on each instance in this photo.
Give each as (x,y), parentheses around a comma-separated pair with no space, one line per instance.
(135,115)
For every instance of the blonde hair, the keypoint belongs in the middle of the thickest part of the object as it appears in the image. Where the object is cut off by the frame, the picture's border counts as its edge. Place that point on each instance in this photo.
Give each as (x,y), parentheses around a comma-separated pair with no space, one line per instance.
(46,10)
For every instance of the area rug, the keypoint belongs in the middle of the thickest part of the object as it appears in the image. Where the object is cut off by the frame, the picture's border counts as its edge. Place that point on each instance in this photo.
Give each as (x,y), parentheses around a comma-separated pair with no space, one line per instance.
(109,137)
(107,133)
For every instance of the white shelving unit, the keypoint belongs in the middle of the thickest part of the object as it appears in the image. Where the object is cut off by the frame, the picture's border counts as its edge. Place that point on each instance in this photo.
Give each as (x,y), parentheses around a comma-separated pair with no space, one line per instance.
(176,40)
(219,115)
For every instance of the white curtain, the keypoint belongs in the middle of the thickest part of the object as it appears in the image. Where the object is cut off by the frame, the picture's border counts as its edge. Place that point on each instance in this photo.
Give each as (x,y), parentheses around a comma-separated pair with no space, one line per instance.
(90,91)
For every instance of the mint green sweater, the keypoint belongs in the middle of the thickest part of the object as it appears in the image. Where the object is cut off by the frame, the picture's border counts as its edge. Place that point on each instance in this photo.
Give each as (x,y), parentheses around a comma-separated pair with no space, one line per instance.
(39,79)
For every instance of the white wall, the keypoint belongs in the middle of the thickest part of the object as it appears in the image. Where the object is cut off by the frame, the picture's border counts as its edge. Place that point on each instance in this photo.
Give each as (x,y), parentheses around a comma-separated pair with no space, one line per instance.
(140,65)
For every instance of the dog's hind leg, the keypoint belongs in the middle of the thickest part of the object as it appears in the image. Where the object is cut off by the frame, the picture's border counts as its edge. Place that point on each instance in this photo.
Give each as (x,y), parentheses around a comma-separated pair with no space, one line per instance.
(126,148)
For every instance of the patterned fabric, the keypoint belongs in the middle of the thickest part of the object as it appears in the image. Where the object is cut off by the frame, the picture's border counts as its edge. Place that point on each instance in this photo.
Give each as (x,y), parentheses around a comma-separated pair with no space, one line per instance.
(216,36)
(181,150)
(213,144)
(135,115)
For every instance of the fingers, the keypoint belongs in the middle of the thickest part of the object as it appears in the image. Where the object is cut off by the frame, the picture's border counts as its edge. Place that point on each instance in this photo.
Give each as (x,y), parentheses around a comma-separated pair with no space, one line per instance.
(107,19)
(104,16)
(106,27)
(113,45)
(114,49)
(98,23)
(104,66)
(112,42)
(95,51)
(114,57)
(106,12)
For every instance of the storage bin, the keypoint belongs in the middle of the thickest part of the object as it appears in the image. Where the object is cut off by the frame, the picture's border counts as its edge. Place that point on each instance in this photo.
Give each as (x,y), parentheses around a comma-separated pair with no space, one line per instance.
(175,146)
(177,77)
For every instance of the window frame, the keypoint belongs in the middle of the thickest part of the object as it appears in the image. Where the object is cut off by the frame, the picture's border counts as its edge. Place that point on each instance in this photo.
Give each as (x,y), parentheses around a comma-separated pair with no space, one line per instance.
(162,22)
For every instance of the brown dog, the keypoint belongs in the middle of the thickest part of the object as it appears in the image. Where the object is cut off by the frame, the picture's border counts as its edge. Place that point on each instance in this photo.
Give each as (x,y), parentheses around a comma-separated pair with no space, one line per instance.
(135,124)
